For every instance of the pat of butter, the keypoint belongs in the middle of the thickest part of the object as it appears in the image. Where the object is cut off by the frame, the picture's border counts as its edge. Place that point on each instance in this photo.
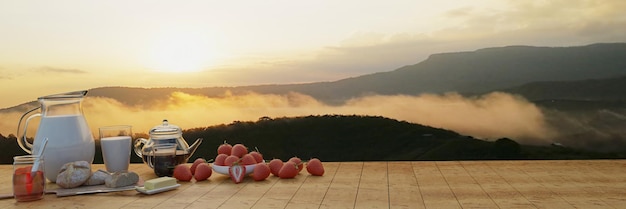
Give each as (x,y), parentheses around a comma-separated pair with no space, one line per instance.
(159,183)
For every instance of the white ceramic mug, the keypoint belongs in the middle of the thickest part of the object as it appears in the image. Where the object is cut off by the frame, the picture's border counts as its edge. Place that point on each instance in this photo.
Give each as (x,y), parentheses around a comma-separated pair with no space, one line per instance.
(116,142)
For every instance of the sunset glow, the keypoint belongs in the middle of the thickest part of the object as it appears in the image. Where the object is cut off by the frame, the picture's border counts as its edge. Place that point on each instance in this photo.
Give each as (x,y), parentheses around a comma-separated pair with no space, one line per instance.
(49,47)
(181,52)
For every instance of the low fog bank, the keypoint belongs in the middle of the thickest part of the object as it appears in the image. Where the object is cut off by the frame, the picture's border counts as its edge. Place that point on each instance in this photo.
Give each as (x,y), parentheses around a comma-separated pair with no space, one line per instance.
(489,116)
(595,129)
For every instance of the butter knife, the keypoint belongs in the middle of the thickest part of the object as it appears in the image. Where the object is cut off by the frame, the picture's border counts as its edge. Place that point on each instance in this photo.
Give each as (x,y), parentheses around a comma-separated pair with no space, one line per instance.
(60,192)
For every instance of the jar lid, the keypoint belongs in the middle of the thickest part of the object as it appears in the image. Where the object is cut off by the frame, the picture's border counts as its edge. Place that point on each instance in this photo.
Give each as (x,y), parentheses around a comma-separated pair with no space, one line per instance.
(166,129)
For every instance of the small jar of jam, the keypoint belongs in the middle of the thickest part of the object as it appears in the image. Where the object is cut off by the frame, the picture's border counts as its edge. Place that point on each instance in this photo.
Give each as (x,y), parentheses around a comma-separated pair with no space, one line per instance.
(29,181)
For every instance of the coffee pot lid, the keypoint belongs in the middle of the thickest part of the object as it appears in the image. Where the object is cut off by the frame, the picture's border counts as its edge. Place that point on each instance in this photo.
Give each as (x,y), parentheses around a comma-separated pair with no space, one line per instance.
(166,129)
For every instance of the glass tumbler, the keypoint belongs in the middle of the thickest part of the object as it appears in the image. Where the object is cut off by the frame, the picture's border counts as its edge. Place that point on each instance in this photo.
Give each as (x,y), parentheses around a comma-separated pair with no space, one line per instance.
(28,178)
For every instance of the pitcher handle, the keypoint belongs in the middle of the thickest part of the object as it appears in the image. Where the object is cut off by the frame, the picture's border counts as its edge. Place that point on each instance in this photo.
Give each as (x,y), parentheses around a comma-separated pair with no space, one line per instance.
(19,139)
(22,140)
(139,143)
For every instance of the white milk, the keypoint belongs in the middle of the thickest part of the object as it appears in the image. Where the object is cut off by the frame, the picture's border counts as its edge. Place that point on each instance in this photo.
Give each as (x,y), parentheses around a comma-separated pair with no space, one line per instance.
(69,139)
(116,152)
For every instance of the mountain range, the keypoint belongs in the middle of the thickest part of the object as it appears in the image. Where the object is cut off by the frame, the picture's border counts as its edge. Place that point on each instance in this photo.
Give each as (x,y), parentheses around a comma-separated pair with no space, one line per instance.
(598,69)
(595,71)
(575,86)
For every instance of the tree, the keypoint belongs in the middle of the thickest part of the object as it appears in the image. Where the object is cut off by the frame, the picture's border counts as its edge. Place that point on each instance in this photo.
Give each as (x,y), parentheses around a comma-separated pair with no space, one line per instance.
(505,148)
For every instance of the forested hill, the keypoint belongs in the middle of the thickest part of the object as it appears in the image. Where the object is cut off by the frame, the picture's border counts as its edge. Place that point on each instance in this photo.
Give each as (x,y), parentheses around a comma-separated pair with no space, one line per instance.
(330,137)
(350,138)
(366,138)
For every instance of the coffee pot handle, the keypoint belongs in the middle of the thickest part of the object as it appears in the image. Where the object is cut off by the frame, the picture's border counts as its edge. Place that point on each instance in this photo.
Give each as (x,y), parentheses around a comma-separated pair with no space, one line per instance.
(24,144)
(151,157)
(139,143)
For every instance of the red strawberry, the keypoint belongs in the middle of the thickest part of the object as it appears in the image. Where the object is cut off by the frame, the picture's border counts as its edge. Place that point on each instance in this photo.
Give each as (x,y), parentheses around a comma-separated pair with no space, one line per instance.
(195,164)
(182,172)
(203,172)
(298,162)
(239,150)
(237,172)
(230,160)
(261,172)
(288,171)
(257,156)
(275,166)
(315,167)
(219,160)
(248,159)
(224,148)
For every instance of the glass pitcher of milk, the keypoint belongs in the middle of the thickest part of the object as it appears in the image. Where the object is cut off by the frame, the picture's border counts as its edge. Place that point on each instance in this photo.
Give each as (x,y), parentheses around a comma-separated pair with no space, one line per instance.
(64,124)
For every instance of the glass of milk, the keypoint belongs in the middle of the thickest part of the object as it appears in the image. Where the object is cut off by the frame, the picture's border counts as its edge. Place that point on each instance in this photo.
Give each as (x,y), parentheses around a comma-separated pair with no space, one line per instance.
(115,142)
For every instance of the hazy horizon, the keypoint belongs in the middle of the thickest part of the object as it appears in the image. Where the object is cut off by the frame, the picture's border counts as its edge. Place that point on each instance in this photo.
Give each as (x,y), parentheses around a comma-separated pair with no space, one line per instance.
(494,115)
(50,47)
(489,116)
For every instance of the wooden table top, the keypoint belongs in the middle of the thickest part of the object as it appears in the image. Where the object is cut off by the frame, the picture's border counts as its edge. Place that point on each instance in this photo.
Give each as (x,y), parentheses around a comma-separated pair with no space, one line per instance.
(421,184)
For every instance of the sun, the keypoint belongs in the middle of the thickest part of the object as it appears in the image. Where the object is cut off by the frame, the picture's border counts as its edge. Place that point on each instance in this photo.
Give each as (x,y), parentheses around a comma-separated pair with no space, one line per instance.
(180,53)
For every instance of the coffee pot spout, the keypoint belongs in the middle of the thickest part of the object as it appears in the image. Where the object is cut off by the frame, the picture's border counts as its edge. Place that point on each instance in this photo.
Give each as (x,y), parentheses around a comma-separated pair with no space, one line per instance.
(194,146)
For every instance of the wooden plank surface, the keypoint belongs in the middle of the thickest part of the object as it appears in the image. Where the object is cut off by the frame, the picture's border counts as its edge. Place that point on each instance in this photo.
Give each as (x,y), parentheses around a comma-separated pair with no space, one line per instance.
(419,184)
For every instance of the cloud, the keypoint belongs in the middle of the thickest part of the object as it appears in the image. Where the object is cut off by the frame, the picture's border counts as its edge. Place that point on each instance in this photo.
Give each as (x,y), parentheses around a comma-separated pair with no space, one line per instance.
(189,111)
(349,59)
(494,115)
(537,23)
(464,28)
(491,116)
(60,70)
(540,23)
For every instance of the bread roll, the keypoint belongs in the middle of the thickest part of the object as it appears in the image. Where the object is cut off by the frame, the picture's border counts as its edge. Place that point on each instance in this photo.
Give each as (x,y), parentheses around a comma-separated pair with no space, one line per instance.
(97,178)
(74,174)
(120,179)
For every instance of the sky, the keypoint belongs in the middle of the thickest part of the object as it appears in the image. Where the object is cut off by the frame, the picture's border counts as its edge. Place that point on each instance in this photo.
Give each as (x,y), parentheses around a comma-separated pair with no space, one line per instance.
(49,47)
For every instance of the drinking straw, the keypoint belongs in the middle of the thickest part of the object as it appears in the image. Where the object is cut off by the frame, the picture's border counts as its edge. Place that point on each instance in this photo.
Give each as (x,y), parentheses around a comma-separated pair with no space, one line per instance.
(33,170)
